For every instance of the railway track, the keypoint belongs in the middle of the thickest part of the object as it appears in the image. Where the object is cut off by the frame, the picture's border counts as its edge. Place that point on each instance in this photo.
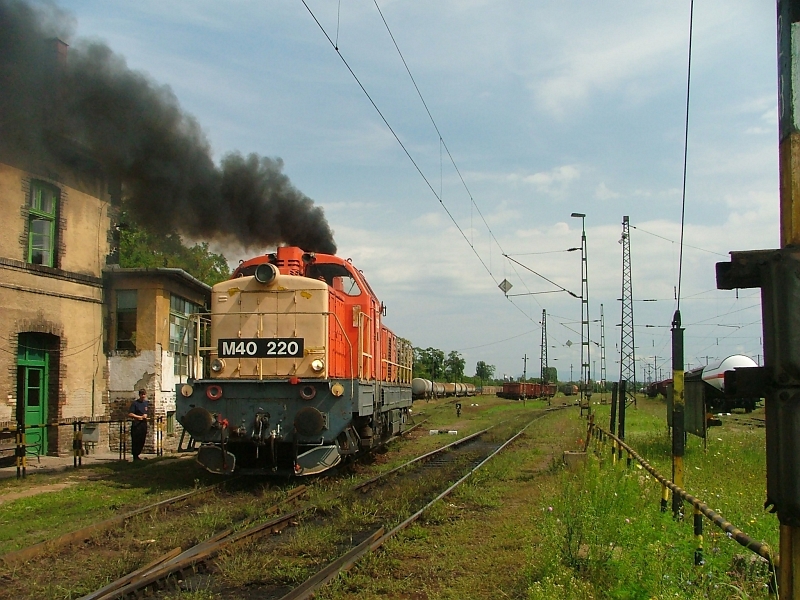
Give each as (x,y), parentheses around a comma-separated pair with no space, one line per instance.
(172,544)
(135,537)
(325,575)
(25,554)
(453,463)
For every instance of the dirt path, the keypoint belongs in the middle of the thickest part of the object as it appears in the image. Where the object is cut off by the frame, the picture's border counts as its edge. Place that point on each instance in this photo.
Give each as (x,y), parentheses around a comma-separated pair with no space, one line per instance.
(34,491)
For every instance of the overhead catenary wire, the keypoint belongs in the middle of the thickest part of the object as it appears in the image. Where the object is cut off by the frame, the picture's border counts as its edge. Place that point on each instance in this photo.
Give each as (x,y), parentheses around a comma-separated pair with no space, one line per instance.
(685,154)
(666,239)
(436,194)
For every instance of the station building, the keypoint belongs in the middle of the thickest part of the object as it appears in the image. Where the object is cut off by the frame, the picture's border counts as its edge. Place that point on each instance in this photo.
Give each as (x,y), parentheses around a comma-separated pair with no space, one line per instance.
(56,242)
(78,334)
(151,339)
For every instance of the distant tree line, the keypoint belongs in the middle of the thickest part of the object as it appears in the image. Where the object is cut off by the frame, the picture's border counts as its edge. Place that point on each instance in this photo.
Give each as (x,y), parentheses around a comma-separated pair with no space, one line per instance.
(435,365)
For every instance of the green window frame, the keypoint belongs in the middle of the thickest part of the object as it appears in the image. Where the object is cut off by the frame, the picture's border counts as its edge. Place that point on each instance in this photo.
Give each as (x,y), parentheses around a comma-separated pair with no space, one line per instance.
(43,208)
(182,342)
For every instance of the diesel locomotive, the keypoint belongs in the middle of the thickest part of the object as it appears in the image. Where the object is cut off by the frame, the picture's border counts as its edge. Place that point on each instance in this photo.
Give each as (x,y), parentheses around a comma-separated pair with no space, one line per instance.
(294,370)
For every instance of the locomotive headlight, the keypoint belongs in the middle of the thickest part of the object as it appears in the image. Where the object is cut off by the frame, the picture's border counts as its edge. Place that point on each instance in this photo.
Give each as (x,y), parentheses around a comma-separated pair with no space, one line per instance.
(186,390)
(266,273)
(317,365)
(217,365)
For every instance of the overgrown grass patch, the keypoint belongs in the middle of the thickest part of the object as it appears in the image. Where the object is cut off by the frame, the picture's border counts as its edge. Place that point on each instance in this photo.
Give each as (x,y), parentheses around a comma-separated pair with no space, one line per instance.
(96,493)
(603,535)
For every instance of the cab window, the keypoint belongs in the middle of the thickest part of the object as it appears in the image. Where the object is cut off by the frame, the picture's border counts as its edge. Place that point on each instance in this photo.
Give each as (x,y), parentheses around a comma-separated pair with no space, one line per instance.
(336,276)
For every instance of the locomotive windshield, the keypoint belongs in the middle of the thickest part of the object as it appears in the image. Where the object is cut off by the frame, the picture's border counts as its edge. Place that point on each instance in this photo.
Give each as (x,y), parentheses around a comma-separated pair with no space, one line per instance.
(336,276)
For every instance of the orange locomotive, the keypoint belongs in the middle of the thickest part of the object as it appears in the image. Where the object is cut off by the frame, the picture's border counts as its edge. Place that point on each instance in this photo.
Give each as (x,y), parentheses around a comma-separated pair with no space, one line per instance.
(299,371)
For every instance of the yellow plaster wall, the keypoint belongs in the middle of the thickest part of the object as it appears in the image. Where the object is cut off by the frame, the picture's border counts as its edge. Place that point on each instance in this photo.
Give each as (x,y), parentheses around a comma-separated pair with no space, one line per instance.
(82,244)
(79,325)
(11,200)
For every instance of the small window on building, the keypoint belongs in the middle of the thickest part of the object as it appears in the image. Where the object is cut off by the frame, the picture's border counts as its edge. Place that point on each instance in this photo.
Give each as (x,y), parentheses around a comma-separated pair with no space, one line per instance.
(170,422)
(42,224)
(126,319)
(182,338)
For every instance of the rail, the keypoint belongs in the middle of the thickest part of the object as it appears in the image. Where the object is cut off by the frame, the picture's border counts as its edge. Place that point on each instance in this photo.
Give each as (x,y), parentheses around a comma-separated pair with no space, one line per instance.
(18,557)
(377,539)
(701,509)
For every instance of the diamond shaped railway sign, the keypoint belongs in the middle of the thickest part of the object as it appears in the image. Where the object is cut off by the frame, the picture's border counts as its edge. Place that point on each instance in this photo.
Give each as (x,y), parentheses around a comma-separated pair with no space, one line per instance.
(505,285)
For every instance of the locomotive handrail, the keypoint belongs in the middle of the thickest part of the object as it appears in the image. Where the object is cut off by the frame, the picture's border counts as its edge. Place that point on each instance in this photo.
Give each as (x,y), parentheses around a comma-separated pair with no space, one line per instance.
(326,314)
(361,351)
(398,378)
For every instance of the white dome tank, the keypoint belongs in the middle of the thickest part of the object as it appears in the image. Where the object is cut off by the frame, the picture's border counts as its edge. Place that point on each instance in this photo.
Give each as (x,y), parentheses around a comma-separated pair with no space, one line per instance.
(421,387)
(714,374)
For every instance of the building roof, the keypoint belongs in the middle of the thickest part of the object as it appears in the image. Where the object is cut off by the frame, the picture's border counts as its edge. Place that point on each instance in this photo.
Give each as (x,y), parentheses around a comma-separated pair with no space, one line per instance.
(178,275)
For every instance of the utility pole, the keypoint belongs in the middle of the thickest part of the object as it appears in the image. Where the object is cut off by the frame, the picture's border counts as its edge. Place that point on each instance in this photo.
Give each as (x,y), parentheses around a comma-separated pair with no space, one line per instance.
(524,375)
(543,356)
(627,351)
(585,391)
(602,356)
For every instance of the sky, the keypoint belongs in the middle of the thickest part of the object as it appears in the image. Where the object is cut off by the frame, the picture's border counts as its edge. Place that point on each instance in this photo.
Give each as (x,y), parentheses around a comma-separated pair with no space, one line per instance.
(532,111)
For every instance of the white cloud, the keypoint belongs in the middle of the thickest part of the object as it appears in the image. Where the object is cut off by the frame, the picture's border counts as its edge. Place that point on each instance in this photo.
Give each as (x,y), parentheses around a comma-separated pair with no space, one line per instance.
(602,192)
(557,177)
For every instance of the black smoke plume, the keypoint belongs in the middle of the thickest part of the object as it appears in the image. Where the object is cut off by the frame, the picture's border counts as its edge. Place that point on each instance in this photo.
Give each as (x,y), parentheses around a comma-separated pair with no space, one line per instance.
(138,131)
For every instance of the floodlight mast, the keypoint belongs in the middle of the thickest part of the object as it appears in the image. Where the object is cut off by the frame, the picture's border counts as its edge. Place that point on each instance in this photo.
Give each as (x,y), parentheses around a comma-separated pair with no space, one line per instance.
(585,389)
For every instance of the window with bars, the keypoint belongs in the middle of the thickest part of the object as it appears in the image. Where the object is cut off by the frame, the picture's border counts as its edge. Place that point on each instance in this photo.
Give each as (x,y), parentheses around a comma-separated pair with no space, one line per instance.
(42,224)
(182,338)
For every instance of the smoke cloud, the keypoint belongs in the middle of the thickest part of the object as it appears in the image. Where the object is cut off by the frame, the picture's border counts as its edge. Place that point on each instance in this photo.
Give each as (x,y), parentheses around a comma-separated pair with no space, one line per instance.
(138,131)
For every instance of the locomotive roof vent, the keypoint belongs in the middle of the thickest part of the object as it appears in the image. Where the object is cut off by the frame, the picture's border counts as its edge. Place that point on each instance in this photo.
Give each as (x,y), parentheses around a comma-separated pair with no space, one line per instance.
(266,273)
(309,257)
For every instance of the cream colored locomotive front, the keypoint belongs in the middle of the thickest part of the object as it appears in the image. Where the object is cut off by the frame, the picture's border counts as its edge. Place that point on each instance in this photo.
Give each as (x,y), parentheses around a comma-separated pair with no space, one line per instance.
(269,330)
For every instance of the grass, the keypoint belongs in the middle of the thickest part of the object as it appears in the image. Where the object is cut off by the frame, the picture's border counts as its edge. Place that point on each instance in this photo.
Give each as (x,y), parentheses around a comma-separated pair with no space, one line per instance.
(522,527)
(95,493)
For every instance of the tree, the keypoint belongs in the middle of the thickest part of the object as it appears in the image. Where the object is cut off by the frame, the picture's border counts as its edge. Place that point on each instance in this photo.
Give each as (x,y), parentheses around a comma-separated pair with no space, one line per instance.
(454,366)
(483,371)
(429,363)
(551,375)
(143,249)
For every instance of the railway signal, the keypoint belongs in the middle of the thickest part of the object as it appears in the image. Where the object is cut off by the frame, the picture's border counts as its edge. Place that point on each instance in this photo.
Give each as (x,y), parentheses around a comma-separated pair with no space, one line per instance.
(777,273)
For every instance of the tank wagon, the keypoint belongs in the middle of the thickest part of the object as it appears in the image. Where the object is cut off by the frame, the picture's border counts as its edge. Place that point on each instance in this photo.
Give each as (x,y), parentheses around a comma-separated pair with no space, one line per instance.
(713,376)
(516,390)
(294,370)
(424,389)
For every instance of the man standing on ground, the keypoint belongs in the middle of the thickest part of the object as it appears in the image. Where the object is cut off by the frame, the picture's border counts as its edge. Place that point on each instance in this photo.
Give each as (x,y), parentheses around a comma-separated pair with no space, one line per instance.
(138,414)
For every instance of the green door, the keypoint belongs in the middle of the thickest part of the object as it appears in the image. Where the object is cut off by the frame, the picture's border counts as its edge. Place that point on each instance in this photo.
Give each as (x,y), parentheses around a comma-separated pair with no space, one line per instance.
(32,371)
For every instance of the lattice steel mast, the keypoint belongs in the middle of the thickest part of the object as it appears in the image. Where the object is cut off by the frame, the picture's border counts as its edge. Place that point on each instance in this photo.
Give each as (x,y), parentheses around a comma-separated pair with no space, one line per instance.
(627,349)
(543,354)
(585,391)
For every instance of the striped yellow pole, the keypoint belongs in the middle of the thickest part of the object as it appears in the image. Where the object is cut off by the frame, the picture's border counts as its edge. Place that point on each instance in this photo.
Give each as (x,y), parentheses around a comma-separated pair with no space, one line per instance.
(698,536)
(678,404)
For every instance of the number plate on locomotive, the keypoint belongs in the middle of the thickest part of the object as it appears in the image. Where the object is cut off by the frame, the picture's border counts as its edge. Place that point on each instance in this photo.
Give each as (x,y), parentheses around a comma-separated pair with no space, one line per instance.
(260,348)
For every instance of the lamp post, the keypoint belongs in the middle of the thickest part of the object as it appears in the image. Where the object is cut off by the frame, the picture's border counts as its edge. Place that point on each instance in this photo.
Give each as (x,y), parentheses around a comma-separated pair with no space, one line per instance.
(585,358)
